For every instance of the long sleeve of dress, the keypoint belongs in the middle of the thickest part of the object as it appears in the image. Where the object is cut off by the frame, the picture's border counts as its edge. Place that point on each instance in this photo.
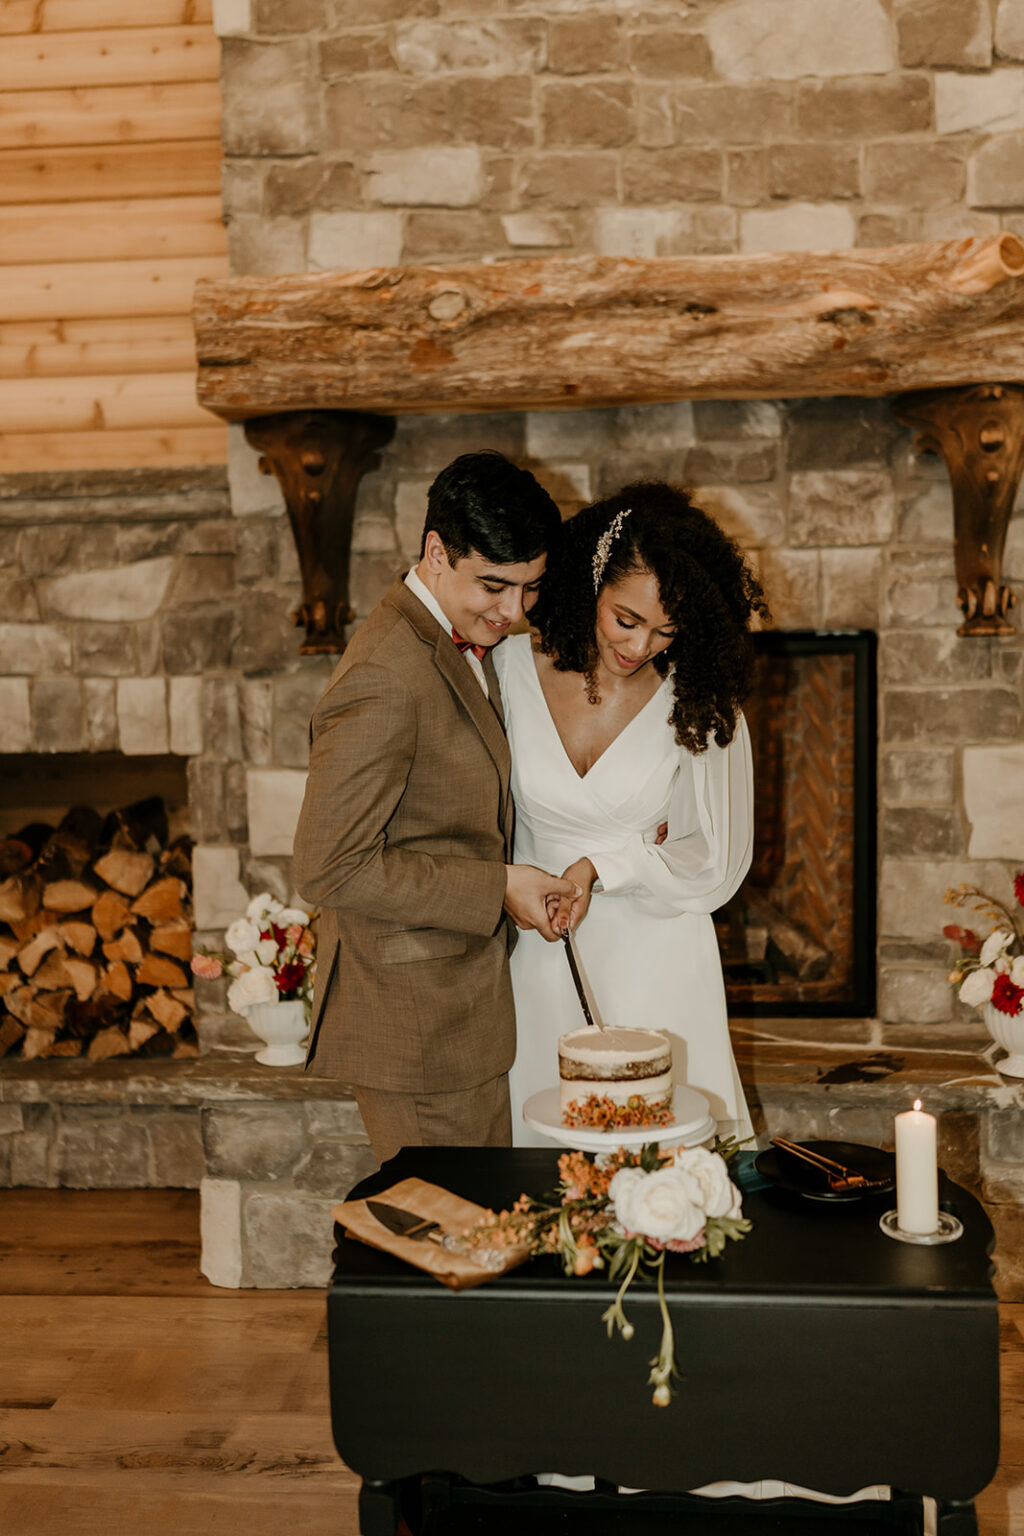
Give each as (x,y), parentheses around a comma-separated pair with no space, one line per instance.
(710,838)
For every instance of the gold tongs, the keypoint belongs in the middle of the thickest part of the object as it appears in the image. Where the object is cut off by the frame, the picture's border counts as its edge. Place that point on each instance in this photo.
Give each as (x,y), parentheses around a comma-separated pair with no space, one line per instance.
(839,1177)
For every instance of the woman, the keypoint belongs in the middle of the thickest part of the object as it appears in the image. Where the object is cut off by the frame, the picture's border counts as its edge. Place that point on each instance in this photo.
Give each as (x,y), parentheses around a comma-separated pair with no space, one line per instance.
(623,714)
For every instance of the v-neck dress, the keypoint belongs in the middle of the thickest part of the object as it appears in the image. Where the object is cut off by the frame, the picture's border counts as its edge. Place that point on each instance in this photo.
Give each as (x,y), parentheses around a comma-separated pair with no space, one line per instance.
(648,942)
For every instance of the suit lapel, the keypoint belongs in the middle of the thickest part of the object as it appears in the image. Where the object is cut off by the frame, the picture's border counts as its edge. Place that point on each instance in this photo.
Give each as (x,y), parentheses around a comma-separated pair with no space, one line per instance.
(459,676)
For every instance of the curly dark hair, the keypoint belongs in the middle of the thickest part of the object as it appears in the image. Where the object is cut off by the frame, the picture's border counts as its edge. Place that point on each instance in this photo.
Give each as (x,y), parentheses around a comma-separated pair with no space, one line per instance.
(705,585)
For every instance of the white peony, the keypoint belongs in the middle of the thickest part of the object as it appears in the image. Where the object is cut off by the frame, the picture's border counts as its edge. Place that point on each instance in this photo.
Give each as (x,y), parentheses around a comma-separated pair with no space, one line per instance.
(994,945)
(262,907)
(266,951)
(664,1205)
(718,1194)
(242,936)
(255,986)
(1017,971)
(977,987)
(289,915)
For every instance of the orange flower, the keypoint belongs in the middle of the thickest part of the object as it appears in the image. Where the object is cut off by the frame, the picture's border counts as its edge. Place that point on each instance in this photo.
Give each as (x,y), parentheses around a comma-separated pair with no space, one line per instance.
(587,1254)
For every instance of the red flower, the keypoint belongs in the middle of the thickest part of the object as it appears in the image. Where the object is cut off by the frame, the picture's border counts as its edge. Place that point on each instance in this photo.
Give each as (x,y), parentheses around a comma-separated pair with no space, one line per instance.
(289,977)
(1018,886)
(278,935)
(1006,996)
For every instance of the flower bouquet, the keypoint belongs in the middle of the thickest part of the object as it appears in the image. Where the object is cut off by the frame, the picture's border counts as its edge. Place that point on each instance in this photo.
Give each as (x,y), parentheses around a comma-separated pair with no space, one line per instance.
(625,1210)
(271,959)
(989,970)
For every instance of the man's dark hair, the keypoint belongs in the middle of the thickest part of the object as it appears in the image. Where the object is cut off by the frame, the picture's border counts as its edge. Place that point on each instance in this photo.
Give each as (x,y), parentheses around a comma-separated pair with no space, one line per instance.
(484,504)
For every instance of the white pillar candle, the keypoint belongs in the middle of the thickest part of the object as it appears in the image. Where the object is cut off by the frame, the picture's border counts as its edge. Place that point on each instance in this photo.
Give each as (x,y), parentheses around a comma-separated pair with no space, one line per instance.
(917,1174)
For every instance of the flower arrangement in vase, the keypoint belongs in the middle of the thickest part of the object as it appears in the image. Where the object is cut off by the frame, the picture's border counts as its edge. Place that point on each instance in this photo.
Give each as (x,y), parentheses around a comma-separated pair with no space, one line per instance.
(625,1210)
(990,971)
(272,966)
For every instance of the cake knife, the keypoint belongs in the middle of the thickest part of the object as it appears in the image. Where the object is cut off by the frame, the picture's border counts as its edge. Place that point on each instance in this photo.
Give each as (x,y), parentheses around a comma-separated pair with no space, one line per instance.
(591,1012)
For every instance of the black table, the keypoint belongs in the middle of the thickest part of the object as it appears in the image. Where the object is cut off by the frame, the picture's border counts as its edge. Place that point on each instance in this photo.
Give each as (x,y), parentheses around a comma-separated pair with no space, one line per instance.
(817,1351)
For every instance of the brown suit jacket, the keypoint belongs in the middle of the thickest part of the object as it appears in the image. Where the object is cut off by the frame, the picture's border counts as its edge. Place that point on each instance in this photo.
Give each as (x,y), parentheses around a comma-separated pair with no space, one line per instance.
(402,842)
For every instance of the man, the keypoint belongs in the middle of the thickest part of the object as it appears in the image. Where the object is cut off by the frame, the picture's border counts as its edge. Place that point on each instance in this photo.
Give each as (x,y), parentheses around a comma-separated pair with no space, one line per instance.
(405,834)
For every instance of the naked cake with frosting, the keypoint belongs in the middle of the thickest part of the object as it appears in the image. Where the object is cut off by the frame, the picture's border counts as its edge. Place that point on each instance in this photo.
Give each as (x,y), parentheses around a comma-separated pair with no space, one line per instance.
(617,1064)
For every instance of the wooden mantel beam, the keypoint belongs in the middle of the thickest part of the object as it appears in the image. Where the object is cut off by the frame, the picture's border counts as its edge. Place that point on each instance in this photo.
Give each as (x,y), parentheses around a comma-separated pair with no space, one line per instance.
(597,331)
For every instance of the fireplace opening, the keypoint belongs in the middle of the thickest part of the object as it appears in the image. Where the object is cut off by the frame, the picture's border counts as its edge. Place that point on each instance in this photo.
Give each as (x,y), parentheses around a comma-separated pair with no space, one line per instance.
(799,937)
(95,907)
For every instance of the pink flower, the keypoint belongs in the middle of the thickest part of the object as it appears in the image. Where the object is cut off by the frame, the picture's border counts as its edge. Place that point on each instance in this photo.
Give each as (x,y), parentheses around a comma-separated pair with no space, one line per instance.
(293,934)
(206,967)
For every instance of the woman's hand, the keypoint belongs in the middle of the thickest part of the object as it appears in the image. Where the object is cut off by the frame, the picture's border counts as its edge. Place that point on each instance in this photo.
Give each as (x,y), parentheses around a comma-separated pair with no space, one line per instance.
(571,913)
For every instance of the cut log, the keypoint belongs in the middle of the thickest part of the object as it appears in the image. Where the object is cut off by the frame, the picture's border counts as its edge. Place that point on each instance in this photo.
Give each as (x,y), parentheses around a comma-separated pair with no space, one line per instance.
(15,855)
(53,974)
(139,1031)
(124,869)
(172,939)
(110,913)
(177,860)
(45,1011)
(9,979)
(81,937)
(184,1048)
(88,1018)
(186,997)
(143,826)
(30,926)
(8,949)
(30,955)
(12,1032)
(109,1042)
(69,896)
(599,330)
(162,902)
(65,1047)
(37,1042)
(20,897)
(166,1011)
(83,977)
(116,979)
(155,971)
(125,947)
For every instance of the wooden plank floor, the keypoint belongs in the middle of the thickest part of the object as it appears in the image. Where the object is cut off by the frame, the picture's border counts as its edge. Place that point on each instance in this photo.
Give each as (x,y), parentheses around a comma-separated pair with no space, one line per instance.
(138,1400)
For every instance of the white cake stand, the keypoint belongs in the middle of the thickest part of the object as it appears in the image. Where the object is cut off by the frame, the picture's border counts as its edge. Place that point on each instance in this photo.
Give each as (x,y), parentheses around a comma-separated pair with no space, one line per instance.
(692,1124)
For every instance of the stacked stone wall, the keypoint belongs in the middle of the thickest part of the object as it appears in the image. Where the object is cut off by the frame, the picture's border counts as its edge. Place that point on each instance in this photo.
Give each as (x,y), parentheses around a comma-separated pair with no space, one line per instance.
(376,132)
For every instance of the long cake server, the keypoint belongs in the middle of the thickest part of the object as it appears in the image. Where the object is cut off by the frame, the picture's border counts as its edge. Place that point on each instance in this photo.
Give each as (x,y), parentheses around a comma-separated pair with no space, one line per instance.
(591,1012)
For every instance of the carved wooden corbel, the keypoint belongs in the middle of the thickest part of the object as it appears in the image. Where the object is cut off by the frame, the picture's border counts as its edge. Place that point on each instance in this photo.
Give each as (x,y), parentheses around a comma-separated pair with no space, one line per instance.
(979,431)
(319,458)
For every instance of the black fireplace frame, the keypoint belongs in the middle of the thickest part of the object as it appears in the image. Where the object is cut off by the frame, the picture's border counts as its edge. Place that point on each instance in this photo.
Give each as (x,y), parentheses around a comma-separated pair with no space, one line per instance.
(861,999)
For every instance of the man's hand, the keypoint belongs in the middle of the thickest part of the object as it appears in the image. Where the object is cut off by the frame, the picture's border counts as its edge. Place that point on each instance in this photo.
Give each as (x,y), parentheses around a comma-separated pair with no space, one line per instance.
(531,894)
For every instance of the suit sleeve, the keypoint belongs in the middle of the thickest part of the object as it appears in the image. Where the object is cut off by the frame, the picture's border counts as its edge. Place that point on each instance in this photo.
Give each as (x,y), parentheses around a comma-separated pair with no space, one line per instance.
(699,867)
(363,746)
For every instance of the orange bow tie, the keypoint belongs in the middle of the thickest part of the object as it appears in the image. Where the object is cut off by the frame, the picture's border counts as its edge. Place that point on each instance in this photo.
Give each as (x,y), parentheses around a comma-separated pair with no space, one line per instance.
(479,651)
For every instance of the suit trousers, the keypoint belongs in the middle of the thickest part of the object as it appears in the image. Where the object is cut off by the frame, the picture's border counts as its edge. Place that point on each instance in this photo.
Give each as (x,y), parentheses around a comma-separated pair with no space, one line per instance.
(470,1117)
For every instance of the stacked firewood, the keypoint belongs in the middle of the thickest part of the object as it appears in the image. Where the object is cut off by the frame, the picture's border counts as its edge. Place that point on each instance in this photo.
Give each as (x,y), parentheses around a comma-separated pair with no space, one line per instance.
(96,936)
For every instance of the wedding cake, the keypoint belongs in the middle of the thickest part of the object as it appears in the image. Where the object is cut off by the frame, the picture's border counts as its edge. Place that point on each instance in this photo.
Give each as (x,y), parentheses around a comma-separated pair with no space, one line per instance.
(616,1064)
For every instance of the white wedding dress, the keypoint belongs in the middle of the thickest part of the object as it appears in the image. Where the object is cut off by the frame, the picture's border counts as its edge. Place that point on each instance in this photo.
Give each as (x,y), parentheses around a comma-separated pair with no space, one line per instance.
(647,943)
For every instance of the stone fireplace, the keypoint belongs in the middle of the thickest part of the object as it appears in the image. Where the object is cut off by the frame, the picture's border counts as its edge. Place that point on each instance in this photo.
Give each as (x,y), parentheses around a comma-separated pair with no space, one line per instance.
(147,612)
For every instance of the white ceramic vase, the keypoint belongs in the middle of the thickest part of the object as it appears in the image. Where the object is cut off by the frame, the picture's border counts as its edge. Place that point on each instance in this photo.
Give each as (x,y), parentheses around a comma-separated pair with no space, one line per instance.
(1008,1031)
(283,1027)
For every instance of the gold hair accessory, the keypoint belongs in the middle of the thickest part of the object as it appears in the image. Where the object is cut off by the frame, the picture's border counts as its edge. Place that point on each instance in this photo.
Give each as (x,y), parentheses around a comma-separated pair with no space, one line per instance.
(604,545)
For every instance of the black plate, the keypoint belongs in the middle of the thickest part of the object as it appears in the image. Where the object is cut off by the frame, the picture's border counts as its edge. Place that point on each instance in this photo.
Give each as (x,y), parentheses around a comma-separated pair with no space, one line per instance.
(788,1172)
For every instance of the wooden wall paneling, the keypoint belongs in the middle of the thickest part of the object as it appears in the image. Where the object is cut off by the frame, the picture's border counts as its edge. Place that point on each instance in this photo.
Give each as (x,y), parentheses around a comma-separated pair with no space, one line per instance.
(68,290)
(126,56)
(65,348)
(110,114)
(85,15)
(123,229)
(110,190)
(73,175)
(171,448)
(109,400)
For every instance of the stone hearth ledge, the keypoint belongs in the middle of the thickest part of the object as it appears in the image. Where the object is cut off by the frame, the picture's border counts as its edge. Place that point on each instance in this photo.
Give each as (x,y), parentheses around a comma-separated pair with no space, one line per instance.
(273,1149)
